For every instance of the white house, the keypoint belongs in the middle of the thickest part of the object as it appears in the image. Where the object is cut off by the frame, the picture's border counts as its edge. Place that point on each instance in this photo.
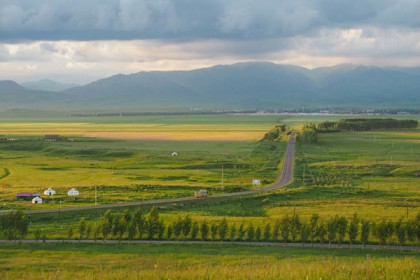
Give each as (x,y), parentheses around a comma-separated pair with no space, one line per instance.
(37,200)
(49,192)
(73,192)
(174,154)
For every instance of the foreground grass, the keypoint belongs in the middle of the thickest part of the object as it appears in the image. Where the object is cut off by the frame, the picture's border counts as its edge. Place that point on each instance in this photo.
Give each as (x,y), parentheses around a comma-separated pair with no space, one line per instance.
(98,261)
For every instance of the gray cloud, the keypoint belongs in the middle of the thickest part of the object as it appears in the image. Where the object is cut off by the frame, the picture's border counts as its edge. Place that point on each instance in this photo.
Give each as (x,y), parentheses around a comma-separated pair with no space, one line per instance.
(191,19)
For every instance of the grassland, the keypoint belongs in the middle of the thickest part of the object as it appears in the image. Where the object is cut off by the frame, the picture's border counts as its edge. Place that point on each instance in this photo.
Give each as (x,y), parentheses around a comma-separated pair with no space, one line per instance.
(69,261)
(371,173)
(128,169)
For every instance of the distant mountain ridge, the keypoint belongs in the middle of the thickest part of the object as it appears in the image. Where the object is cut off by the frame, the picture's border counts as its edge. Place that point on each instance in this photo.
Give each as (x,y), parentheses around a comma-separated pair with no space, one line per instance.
(48,85)
(251,85)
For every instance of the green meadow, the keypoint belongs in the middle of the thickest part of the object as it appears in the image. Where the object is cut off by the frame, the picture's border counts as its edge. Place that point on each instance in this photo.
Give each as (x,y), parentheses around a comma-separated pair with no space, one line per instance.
(98,261)
(133,166)
(375,174)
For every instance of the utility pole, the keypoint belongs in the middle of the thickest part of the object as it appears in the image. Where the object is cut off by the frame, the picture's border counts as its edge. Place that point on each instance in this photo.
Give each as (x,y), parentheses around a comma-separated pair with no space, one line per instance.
(95,196)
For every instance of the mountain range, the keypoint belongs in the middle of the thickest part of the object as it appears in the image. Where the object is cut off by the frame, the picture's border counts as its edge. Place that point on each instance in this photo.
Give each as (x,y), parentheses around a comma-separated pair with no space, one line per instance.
(251,85)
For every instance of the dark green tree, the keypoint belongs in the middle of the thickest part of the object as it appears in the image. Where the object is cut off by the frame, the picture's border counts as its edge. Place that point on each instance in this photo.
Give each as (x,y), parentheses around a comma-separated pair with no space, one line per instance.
(160,229)
(177,228)
(204,229)
(82,227)
(267,232)
(341,228)
(321,232)
(313,227)
(223,229)
(194,230)
(353,230)
(258,234)
(411,231)
(186,226)
(250,232)
(241,232)
(106,224)
(131,230)
(332,228)
(70,233)
(285,228)
(295,224)
(276,230)
(305,232)
(365,232)
(169,232)
(13,225)
(232,232)
(401,231)
(88,231)
(213,231)
(153,223)
(140,220)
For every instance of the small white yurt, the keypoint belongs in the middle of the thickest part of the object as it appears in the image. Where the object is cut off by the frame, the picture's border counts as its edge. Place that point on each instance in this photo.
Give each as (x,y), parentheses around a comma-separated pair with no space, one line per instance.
(49,192)
(174,154)
(256,182)
(73,192)
(37,200)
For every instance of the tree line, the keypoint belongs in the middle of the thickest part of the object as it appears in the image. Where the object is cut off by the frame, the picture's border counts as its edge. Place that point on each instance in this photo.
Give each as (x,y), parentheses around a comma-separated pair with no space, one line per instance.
(361,124)
(308,134)
(290,228)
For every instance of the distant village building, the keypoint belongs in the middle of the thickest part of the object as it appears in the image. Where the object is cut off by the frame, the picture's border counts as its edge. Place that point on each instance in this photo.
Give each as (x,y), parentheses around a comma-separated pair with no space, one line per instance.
(50,192)
(24,196)
(53,138)
(37,200)
(4,138)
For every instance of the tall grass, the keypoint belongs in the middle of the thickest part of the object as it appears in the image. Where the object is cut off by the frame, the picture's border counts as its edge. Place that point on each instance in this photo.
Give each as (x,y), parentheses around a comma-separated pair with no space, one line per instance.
(67,261)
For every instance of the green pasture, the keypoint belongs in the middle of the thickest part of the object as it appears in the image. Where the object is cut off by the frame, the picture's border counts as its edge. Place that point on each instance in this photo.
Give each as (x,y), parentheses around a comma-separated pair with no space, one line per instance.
(130,170)
(98,261)
(371,173)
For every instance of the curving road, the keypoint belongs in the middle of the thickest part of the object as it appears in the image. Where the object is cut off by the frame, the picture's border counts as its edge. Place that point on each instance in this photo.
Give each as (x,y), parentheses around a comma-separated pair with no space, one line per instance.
(285,178)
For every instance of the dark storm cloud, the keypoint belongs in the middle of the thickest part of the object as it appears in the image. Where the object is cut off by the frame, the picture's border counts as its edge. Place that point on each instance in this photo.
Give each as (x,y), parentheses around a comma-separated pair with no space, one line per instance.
(192,19)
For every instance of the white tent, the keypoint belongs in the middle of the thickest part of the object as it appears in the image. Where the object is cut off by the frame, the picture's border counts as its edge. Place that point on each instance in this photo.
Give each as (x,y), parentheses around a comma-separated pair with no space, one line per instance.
(49,191)
(73,192)
(37,200)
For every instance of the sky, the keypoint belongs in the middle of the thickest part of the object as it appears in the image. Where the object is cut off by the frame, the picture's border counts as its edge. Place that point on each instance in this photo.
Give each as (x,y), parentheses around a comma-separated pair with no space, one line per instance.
(78,41)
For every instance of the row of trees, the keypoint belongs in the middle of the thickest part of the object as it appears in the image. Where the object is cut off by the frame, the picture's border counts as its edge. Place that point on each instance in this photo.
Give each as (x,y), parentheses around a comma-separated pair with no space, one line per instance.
(13,225)
(290,228)
(366,124)
(308,134)
(275,133)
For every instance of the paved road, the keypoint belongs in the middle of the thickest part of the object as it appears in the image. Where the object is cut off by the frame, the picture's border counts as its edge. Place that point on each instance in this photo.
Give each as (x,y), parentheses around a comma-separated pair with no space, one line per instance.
(222,243)
(285,178)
